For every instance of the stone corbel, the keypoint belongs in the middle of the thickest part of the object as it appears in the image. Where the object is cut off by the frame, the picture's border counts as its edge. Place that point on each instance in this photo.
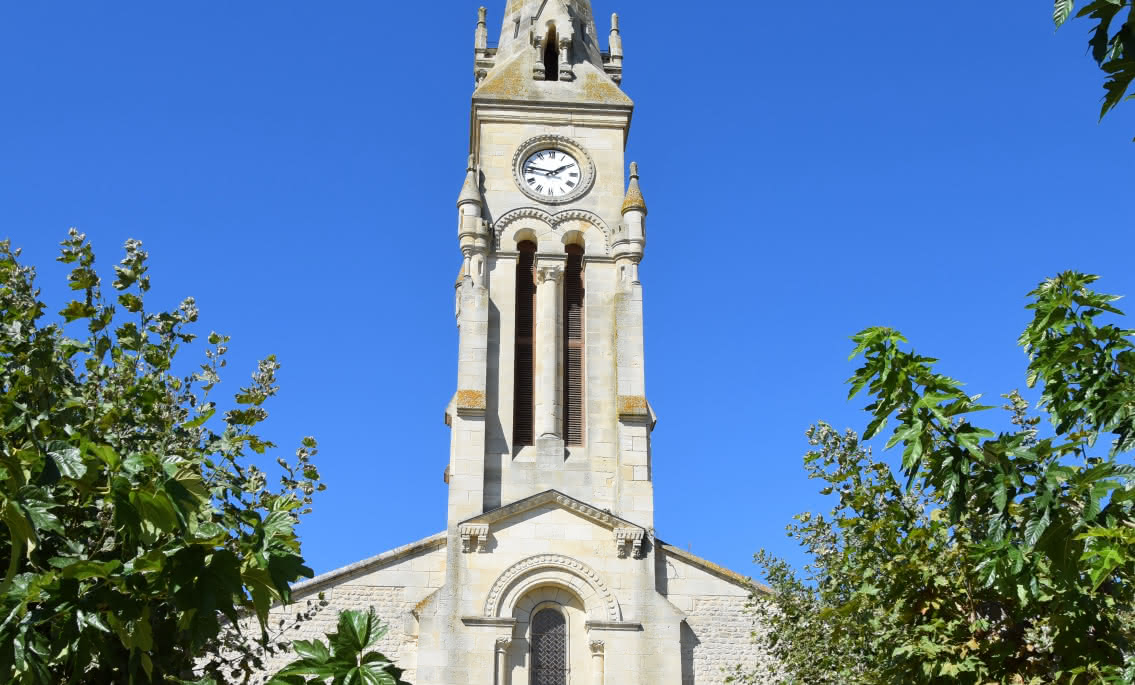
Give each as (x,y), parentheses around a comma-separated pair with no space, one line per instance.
(474,536)
(629,542)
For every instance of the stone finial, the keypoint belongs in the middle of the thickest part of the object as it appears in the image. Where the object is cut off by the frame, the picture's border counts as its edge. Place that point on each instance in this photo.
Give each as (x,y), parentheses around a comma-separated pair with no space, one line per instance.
(482,41)
(616,44)
(634,200)
(471,191)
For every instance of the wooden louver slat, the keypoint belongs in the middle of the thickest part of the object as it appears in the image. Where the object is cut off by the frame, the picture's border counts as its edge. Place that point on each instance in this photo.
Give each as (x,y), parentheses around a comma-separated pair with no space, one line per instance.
(573,347)
(523,396)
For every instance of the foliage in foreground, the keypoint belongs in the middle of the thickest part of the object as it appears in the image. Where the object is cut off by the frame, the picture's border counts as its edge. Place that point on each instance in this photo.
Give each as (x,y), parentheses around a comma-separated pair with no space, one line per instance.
(1112,48)
(133,532)
(1003,558)
(348,657)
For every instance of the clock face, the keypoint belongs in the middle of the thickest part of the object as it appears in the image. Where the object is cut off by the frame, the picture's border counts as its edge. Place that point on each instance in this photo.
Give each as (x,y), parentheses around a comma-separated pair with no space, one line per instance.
(551,173)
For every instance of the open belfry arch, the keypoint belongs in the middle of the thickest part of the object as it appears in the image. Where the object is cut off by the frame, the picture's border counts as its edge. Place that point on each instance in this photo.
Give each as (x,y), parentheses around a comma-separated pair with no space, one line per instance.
(550,571)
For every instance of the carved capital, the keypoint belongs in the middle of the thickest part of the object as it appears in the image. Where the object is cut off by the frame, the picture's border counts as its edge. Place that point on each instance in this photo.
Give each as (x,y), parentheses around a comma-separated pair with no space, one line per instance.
(553,273)
(503,643)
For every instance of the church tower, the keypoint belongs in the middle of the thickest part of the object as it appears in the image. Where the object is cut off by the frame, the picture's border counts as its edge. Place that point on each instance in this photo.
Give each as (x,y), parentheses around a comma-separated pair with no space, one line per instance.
(549,571)
(551,391)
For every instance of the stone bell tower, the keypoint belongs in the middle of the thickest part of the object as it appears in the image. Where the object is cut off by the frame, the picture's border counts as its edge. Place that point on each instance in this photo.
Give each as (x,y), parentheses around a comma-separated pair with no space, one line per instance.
(549,571)
(551,391)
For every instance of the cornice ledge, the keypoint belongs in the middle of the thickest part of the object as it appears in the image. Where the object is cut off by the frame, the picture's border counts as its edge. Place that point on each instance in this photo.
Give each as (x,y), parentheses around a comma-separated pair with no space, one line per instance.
(599,516)
(488,622)
(626,626)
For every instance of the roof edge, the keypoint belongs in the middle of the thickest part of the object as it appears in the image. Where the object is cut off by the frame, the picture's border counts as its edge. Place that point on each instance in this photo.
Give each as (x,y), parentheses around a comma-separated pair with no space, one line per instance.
(532,501)
(318,582)
(719,571)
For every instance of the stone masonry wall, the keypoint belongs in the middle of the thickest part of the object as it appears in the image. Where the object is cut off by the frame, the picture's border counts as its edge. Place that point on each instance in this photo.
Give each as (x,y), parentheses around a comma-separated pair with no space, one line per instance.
(389,602)
(718,632)
(721,640)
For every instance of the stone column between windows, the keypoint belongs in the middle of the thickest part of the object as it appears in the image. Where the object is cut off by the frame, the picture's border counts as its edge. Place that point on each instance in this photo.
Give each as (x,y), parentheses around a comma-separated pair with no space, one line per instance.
(549,355)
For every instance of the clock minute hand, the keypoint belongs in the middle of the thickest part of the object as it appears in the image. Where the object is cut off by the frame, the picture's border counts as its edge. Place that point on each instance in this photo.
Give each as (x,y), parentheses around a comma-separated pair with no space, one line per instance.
(542,171)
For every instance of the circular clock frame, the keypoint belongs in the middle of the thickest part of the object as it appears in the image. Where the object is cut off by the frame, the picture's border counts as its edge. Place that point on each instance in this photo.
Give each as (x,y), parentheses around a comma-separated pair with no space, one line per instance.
(562,143)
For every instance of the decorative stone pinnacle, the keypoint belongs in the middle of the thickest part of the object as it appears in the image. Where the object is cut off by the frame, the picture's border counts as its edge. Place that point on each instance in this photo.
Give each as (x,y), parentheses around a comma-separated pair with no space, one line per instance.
(615,23)
(471,191)
(634,200)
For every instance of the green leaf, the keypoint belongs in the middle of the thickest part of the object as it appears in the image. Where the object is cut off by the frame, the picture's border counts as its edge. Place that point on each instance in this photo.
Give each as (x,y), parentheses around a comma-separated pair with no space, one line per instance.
(77,310)
(1036,528)
(1062,11)
(69,461)
(315,651)
(85,570)
(1122,73)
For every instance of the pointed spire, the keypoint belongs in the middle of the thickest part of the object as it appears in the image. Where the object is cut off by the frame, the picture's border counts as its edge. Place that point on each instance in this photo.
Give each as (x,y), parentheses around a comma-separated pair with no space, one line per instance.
(524,18)
(471,191)
(634,200)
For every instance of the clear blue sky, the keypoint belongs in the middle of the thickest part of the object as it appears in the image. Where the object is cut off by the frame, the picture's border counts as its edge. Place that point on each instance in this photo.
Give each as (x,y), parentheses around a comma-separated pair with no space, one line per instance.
(811,170)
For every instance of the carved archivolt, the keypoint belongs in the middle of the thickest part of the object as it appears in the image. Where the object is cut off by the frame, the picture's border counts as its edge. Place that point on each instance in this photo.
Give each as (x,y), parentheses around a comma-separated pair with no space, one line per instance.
(551,568)
(554,221)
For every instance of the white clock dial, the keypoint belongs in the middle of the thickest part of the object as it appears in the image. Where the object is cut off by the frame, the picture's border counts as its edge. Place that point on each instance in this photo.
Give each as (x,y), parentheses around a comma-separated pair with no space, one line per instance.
(551,173)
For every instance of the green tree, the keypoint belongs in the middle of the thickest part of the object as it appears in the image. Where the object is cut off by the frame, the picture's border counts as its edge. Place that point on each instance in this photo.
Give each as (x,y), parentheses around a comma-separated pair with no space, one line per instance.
(1113,48)
(134,532)
(991,558)
(348,657)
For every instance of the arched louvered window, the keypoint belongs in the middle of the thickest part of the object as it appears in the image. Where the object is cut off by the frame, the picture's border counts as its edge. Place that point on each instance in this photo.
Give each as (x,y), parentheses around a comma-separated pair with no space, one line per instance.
(549,648)
(573,347)
(551,56)
(523,396)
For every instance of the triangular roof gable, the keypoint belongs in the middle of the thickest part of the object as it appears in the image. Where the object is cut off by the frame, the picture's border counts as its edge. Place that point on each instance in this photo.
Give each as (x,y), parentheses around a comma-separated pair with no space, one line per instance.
(557,498)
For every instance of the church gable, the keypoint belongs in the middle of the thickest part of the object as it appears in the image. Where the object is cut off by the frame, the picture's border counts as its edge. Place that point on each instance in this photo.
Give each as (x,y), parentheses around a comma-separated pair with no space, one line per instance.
(548,520)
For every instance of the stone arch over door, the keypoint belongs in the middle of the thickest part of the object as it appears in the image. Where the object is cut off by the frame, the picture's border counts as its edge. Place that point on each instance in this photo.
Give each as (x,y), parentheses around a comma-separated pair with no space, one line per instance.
(552,571)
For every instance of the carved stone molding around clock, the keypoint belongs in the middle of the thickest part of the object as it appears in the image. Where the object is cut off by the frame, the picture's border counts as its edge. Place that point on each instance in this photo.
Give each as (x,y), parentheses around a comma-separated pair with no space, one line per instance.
(554,142)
